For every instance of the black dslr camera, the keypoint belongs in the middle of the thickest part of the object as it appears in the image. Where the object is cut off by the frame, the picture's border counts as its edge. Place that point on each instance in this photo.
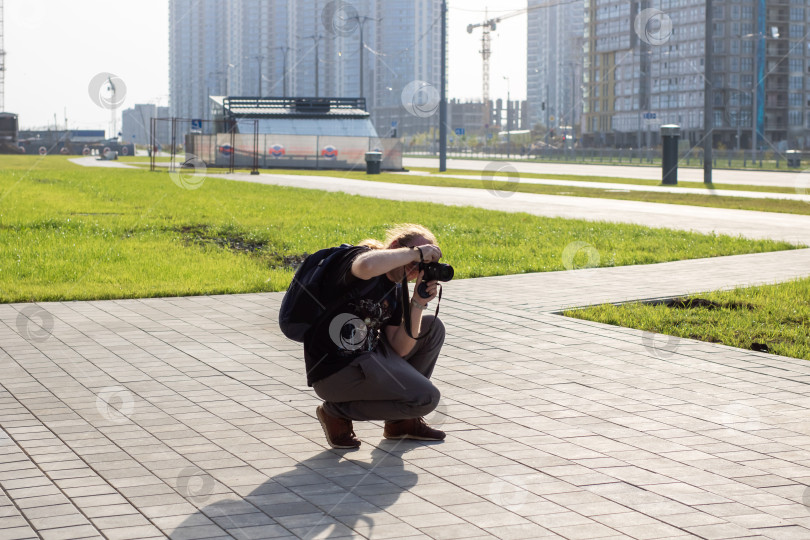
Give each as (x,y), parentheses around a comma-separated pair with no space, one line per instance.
(434,271)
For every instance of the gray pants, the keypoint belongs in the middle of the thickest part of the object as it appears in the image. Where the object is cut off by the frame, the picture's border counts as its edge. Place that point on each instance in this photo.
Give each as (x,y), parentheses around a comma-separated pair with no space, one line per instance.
(381,385)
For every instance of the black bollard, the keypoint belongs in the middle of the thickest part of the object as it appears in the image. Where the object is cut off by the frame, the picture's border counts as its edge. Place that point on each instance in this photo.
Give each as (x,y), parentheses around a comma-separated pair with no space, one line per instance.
(669,162)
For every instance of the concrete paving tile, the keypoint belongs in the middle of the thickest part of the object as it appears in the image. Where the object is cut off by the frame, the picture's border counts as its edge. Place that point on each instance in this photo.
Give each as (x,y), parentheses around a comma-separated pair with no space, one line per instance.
(70,533)
(561,519)
(584,531)
(445,532)
(649,531)
(720,530)
(196,532)
(18,533)
(522,532)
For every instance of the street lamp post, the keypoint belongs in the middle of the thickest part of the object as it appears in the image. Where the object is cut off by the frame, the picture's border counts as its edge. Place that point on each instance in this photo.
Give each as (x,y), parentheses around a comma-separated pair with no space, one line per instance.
(361,20)
(708,105)
(284,49)
(317,39)
(508,120)
(443,92)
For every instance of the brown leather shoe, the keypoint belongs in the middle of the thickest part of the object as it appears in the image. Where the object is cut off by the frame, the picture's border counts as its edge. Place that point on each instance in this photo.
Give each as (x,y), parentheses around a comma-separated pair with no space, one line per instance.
(339,432)
(413,428)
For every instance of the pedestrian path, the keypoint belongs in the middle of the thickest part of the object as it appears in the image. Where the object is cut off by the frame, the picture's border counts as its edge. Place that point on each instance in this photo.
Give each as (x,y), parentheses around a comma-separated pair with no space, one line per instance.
(786,178)
(190,418)
(94,161)
(508,183)
(750,224)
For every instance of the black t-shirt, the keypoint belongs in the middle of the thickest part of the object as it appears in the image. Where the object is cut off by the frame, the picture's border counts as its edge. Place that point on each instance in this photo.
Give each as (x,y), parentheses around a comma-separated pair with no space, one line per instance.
(354,326)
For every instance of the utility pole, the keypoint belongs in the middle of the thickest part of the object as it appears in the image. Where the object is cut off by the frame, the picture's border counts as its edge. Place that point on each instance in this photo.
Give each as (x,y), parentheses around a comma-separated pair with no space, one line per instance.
(443,97)
(285,49)
(317,39)
(2,62)
(361,21)
(708,110)
(508,119)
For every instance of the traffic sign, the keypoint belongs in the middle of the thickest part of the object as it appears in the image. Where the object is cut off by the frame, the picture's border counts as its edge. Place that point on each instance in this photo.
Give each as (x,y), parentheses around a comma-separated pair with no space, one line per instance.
(196,123)
(459,131)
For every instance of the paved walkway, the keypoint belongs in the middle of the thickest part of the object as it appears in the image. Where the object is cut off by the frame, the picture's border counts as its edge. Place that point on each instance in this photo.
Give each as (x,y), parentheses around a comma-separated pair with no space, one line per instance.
(788,178)
(506,183)
(94,161)
(190,418)
(787,227)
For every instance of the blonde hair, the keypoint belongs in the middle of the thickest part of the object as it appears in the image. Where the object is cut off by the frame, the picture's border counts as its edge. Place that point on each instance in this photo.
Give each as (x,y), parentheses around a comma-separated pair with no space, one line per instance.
(404,232)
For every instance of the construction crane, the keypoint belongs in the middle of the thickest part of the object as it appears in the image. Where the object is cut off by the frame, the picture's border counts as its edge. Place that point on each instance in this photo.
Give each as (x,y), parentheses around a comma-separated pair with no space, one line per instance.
(488,26)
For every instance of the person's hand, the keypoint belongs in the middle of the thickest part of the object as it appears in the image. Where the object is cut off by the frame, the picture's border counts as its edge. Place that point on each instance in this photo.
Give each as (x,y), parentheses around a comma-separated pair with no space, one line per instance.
(432,290)
(430,252)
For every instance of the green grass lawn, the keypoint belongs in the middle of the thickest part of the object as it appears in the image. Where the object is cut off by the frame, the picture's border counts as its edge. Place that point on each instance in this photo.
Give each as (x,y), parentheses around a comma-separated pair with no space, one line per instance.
(69,232)
(514,185)
(776,316)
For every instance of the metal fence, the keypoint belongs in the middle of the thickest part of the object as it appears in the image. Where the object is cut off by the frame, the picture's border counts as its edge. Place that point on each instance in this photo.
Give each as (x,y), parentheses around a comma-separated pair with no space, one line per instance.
(687,157)
(219,144)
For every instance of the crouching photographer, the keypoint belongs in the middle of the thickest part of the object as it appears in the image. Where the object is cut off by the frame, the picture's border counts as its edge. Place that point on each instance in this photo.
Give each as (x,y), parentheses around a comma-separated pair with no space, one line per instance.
(371,351)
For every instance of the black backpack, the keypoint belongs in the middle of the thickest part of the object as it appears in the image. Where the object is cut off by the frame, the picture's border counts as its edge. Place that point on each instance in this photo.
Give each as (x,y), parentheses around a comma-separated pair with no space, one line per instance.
(304,302)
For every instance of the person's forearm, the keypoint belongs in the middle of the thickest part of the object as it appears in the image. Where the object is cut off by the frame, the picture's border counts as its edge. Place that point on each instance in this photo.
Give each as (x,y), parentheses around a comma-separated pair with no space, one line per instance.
(402,343)
(377,262)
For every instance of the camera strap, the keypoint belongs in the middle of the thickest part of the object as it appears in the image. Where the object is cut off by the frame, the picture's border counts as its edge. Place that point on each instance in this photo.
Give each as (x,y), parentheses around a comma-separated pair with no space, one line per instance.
(406,309)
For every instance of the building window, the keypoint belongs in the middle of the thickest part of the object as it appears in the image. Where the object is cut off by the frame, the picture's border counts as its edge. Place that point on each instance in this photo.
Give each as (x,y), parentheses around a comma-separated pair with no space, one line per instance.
(734,64)
(795,118)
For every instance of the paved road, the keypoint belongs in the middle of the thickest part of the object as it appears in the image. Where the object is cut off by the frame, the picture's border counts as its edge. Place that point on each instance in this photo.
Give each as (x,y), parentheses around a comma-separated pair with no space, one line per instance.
(795,179)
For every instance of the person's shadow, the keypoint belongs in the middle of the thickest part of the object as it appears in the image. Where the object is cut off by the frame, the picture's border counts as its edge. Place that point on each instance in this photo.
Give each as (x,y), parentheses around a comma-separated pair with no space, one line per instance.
(326,496)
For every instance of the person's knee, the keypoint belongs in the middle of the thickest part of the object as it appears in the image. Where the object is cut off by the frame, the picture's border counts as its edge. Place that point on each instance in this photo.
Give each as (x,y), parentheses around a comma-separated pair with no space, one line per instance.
(426,401)
(435,327)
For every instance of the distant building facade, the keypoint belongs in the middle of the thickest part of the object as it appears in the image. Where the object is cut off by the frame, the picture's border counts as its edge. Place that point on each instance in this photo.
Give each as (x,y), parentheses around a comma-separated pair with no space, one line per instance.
(554,62)
(242,47)
(136,124)
(644,67)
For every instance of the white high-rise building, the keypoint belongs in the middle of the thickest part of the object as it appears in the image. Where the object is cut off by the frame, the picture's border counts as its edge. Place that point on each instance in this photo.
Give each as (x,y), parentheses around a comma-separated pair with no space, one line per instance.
(408,65)
(554,63)
(198,54)
(241,48)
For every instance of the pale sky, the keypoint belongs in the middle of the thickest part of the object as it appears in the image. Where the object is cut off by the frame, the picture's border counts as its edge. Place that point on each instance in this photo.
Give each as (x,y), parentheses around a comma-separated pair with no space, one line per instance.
(54,48)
